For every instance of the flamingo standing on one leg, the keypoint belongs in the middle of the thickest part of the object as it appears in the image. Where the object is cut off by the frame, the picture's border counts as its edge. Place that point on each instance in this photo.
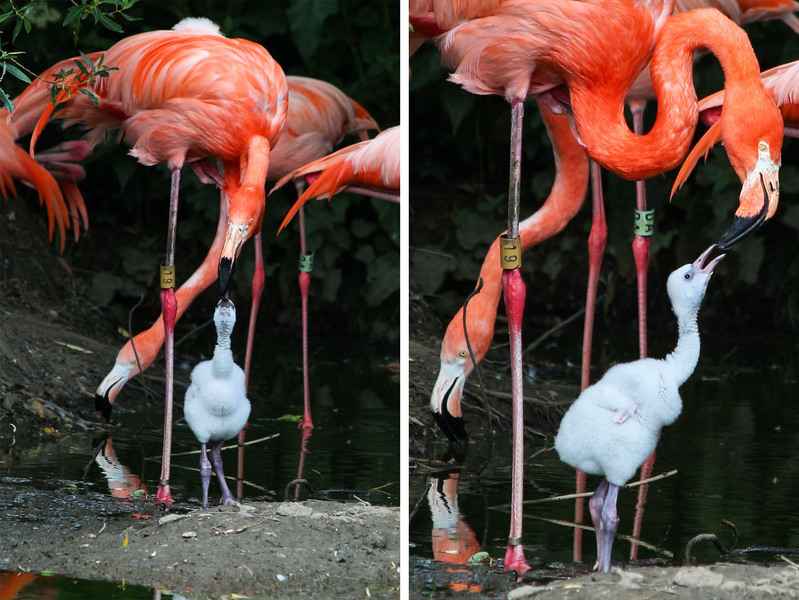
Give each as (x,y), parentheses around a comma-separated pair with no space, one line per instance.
(534,47)
(183,96)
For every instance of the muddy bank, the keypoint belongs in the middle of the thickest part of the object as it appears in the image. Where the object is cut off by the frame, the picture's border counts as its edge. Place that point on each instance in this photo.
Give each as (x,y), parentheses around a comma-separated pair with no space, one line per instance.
(310,549)
(723,581)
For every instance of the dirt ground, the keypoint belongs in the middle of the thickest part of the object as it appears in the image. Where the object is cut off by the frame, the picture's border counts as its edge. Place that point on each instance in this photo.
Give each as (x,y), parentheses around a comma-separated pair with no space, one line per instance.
(313,549)
(722,581)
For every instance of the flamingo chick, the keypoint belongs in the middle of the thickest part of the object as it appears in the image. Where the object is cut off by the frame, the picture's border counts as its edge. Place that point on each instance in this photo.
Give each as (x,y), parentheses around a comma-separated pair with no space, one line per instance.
(614,425)
(216,406)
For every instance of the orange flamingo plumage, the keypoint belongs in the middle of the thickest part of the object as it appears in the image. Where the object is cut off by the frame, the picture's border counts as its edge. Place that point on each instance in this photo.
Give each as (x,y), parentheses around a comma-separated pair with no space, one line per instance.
(180,97)
(535,47)
(319,115)
(370,168)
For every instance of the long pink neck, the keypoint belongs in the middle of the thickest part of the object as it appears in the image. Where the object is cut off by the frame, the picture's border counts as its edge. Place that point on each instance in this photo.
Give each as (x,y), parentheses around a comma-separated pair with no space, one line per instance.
(564,200)
(599,111)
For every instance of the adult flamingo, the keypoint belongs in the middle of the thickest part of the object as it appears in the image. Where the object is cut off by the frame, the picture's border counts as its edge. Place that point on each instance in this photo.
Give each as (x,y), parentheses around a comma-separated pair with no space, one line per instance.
(319,115)
(558,43)
(182,96)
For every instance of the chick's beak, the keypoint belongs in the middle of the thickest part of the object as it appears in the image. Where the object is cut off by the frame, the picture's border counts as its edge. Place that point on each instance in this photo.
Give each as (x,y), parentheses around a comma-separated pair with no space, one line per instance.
(704,264)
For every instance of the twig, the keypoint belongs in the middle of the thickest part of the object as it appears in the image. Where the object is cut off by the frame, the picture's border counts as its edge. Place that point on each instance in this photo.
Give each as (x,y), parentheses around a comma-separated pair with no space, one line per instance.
(588,494)
(627,538)
(190,452)
(554,329)
(230,478)
(530,399)
(790,562)
(193,332)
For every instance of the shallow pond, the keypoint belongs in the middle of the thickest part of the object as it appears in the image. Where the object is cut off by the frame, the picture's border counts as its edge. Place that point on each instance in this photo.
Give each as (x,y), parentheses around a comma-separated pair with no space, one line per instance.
(733,447)
(353,450)
(27,586)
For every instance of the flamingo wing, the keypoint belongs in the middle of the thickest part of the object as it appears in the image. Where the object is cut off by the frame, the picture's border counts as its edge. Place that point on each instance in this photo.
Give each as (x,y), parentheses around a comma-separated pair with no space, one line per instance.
(372,165)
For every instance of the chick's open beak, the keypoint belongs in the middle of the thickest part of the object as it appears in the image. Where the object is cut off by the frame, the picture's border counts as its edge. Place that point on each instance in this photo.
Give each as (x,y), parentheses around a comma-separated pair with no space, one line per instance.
(704,264)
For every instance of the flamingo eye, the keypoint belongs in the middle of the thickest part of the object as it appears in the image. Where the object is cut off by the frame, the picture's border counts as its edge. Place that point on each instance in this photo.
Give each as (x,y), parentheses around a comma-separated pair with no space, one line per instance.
(463,354)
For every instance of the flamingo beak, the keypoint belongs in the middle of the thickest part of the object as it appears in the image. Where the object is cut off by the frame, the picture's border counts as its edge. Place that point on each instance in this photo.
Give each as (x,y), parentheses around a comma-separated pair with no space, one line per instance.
(743,226)
(447,392)
(234,240)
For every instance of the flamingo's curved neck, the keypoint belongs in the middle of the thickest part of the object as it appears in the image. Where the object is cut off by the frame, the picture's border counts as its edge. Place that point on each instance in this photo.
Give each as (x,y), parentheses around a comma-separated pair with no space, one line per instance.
(599,111)
(685,357)
(223,356)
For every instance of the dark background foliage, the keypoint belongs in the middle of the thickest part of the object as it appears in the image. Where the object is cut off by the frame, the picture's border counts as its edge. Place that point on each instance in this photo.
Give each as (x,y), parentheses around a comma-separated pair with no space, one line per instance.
(353,44)
(459,169)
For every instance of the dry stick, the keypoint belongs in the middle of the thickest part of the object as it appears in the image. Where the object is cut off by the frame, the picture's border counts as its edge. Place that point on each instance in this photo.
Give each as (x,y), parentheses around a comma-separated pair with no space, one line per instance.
(190,452)
(554,329)
(194,331)
(627,538)
(530,399)
(589,494)
(231,478)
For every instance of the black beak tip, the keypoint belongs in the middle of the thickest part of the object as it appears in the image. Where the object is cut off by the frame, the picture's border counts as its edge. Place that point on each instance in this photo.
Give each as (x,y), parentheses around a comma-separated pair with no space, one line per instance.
(103,406)
(225,272)
(740,228)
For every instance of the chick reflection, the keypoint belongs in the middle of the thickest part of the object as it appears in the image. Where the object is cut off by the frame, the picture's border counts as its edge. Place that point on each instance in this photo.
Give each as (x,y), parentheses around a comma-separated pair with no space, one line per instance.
(121,482)
(454,541)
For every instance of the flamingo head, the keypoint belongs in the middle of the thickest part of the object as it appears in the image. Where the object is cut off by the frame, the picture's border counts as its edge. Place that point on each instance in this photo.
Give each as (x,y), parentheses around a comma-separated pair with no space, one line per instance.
(456,366)
(109,388)
(754,147)
(246,205)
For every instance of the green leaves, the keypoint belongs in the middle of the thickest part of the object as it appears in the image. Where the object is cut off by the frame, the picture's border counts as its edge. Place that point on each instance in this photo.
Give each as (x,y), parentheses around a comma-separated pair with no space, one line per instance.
(306,21)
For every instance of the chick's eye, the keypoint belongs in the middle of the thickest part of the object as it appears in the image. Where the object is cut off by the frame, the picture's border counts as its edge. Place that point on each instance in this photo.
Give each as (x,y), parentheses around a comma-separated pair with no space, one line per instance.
(687,276)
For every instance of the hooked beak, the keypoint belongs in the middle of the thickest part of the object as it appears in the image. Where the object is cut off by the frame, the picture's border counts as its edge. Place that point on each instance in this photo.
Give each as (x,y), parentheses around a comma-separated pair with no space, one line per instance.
(704,264)
(743,226)
(102,402)
(234,240)
(449,387)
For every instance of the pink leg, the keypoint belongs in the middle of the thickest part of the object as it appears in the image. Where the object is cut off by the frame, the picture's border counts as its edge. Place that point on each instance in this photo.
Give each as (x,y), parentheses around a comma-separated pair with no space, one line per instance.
(641,254)
(514,292)
(304,280)
(169,309)
(257,292)
(596,250)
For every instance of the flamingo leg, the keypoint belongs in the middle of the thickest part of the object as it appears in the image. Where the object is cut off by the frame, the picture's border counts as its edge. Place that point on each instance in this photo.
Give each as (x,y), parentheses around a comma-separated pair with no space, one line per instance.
(216,460)
(514,292)
(641,254)
(205,473)
(304,280)
(596,250)
(300,480)
(257,292)
(169,309)
(609,518)
(595,508)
